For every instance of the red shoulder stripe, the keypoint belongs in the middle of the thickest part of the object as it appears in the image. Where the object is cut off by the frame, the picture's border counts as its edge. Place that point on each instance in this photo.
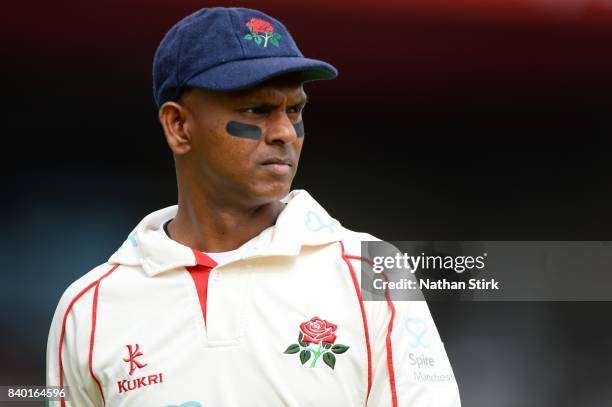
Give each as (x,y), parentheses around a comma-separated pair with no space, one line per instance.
(363,259)
(389,347)
(388,344)
(346,259)
(63,332)
(93,330)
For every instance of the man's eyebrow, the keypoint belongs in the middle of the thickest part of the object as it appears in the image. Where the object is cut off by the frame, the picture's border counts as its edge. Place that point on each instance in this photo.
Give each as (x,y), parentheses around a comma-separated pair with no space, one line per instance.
(260,99)
(302,102)
(304,99)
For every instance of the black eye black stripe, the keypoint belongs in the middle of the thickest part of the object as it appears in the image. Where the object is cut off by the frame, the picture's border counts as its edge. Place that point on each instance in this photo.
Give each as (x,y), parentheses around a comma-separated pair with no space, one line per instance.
(253,132)
(243,130)
(299,128)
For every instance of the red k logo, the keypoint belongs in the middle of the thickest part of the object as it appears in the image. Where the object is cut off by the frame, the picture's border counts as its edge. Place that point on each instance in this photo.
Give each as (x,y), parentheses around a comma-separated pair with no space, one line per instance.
(134,353)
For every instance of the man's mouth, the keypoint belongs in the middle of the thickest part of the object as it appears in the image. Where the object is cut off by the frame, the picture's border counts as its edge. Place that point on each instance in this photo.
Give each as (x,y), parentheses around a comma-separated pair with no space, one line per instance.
(278,165)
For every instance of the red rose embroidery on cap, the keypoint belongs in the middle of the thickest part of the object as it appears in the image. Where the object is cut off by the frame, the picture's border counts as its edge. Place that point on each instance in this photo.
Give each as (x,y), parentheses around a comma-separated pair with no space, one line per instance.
(259,26)
(261,31)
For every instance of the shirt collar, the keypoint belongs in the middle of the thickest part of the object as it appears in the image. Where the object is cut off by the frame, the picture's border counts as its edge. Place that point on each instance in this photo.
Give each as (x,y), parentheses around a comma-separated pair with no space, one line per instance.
(303,222)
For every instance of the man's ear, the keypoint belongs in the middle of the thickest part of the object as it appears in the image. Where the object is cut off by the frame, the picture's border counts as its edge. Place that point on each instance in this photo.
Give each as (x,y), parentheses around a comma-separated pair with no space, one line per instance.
(172,117)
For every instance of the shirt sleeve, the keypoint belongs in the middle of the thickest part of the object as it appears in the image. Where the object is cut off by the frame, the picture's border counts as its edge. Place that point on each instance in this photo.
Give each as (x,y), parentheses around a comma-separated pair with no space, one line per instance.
(410,365)
(72,317)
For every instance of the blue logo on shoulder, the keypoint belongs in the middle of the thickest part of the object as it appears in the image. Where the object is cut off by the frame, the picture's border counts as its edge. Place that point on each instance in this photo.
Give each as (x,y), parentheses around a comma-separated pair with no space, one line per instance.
(186,404)
(132,238)
(417,329)
(314,223)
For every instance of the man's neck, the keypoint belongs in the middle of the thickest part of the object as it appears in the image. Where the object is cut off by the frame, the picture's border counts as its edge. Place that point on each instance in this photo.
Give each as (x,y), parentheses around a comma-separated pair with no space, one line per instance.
(209,226)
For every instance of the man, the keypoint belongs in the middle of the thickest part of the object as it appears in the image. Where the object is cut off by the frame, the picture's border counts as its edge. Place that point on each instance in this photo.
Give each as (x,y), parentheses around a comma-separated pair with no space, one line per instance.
(243,294)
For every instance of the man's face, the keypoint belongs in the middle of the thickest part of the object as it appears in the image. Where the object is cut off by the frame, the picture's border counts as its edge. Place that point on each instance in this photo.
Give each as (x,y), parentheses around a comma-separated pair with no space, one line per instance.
(246,143)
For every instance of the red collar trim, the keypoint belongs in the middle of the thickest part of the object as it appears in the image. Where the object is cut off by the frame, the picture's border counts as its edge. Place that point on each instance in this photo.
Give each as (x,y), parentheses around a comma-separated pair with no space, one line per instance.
(203,260)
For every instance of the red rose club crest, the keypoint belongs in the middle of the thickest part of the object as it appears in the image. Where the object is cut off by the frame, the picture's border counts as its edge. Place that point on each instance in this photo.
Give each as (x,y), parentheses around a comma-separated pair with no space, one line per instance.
(261,31)
(320,332)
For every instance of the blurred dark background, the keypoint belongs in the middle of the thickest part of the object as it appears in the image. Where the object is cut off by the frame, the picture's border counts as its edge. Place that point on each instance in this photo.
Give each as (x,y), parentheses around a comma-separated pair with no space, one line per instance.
(450,120)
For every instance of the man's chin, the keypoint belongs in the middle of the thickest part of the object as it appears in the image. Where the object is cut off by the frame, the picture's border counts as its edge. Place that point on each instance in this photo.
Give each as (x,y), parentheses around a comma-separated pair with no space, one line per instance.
(272,192)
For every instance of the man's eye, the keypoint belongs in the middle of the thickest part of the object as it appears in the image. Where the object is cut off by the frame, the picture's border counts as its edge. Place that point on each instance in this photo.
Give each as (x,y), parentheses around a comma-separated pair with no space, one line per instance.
(266,109)
(296,109)
(255,110)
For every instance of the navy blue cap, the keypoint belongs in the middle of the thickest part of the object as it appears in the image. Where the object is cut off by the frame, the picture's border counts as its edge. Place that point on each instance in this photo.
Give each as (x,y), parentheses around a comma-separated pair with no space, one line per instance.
(225,49)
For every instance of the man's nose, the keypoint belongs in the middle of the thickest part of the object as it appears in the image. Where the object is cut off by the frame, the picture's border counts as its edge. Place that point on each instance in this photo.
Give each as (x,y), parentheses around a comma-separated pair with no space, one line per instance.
(280,130)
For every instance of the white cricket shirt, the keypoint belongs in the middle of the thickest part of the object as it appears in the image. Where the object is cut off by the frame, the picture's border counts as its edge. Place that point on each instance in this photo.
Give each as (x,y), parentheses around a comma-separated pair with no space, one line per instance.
(285,326)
